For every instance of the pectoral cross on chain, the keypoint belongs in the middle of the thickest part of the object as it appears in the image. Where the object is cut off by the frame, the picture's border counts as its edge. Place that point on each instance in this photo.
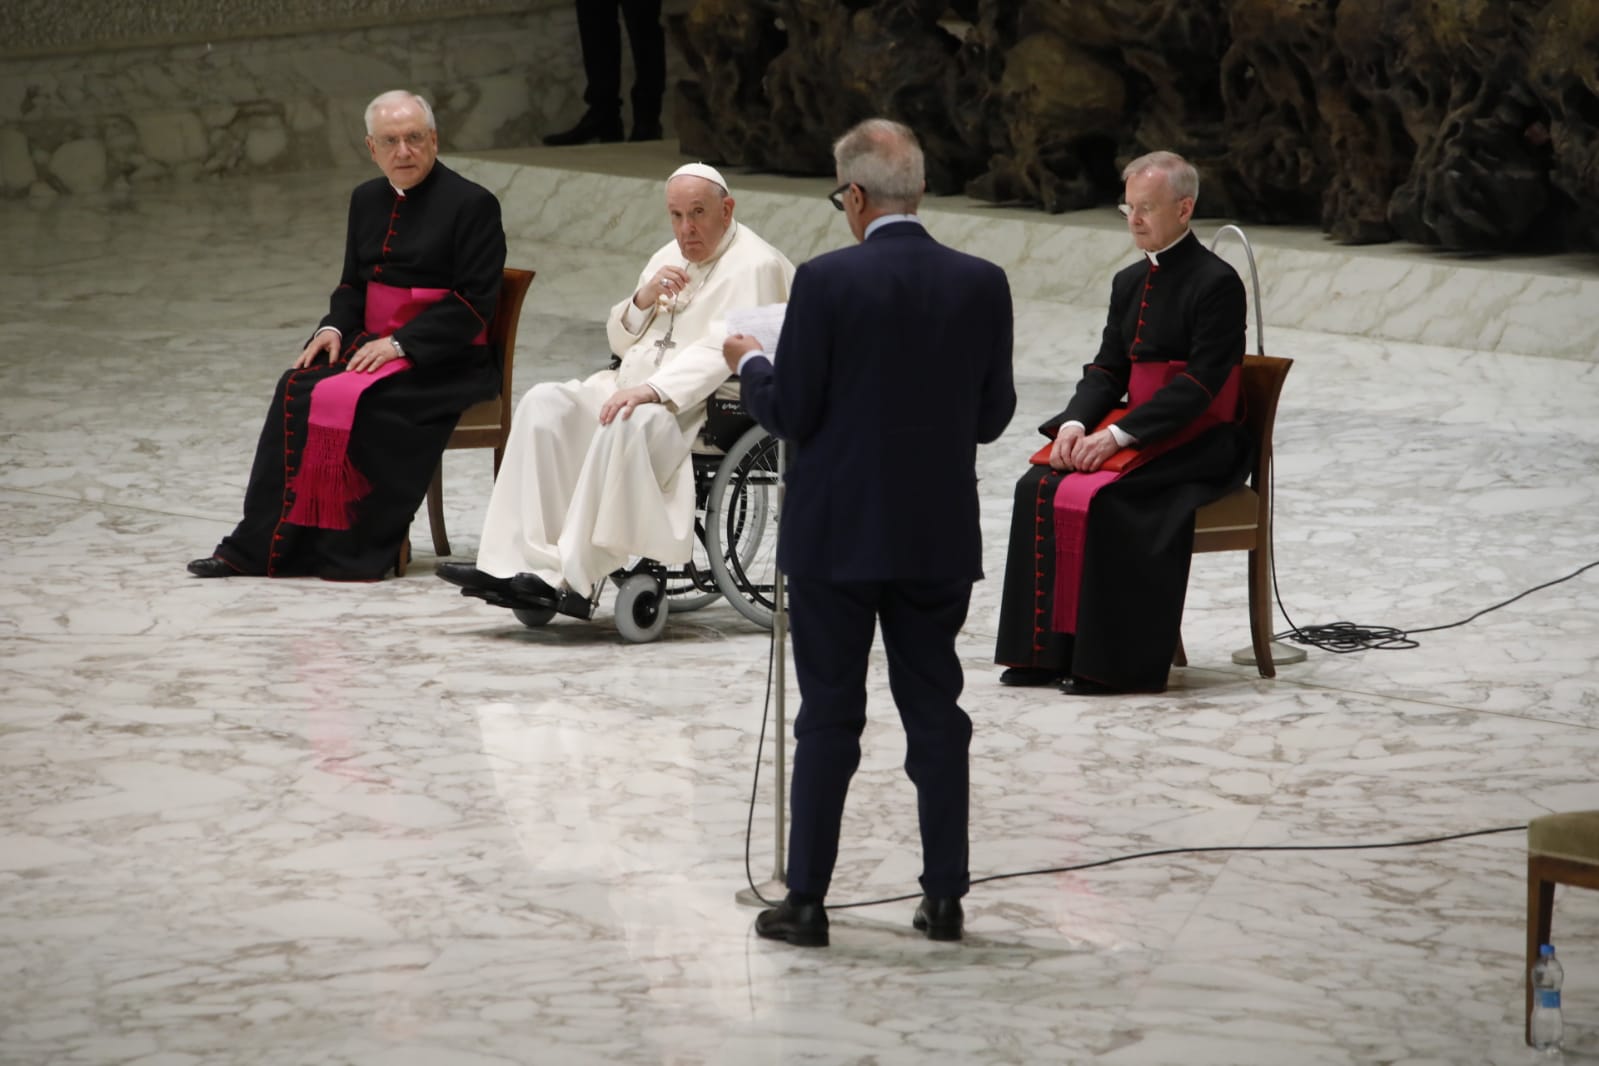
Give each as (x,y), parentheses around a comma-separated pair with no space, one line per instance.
(661,346)
(666,341)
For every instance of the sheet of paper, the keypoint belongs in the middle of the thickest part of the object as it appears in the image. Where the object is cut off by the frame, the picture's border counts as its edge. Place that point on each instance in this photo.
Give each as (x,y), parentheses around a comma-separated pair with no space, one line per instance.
(764,323)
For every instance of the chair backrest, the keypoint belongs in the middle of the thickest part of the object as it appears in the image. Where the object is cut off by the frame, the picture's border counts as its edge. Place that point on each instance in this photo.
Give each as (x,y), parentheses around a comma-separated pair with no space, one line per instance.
(1263,377)
(514,284)
(488,424)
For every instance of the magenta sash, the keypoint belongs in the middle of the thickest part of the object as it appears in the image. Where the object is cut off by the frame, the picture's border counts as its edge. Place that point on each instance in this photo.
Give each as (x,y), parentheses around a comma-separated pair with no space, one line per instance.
(1076,492)
(388,308)
(328,486)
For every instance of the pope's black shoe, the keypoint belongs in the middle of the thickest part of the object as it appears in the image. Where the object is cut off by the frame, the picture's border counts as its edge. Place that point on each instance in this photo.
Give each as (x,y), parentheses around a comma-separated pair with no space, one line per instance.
(1029,675)
(471,578)
(534,591)
(591,127)
(801,924)
(940,917)
(211,566)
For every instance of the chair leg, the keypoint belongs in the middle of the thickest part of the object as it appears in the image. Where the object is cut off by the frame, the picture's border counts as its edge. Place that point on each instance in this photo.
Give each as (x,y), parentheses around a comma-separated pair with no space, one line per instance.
(1260,605)
(1540,919)
(441,539)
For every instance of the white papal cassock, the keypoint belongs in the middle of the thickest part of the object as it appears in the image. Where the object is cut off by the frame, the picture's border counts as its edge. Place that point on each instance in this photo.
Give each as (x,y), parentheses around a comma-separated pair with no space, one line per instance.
(575,500)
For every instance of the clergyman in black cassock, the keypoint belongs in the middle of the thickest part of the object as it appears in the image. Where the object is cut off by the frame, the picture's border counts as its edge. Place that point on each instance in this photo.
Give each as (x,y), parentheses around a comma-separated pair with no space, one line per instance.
(427,244)
(1179,304)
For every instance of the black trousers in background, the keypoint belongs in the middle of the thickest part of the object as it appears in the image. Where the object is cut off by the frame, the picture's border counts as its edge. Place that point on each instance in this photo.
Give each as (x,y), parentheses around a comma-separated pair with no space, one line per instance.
(831,625)
(601,39)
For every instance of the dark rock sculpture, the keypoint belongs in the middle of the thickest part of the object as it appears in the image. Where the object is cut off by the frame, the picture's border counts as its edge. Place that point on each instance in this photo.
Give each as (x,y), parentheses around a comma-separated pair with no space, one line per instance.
(1470,124)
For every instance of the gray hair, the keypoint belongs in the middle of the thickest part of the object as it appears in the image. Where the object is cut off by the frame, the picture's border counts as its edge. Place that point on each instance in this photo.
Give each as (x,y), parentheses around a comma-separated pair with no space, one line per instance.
(1181,177)
(397,98)
(884,158)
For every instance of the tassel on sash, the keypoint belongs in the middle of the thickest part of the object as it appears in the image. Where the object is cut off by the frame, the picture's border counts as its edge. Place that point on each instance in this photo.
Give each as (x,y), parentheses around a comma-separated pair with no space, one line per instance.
(328,486)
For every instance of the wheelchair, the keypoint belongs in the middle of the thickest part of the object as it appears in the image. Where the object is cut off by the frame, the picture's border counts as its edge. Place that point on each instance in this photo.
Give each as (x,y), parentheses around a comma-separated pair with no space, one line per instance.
(736,476)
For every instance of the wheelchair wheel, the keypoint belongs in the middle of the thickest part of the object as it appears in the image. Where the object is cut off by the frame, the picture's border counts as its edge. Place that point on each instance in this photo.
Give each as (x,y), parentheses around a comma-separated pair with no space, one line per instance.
(741,525)
(641,609)
(533,617)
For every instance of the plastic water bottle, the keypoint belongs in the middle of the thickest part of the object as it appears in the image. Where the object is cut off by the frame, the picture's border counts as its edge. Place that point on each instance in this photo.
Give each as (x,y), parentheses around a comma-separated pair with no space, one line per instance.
(1547,976)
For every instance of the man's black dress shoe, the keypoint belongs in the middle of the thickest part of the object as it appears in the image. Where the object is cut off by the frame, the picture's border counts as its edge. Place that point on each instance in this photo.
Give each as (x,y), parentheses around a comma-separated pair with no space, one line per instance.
(1081,686)
(211,566)
(534,591)
(940,917)
(590,127)
(471,578)
(801,924)
(645,131)
(1029,675)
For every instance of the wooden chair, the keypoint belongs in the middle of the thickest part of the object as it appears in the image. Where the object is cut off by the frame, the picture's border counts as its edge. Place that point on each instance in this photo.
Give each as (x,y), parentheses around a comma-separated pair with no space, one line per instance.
(1561,849)
(487,424)
(1241,520)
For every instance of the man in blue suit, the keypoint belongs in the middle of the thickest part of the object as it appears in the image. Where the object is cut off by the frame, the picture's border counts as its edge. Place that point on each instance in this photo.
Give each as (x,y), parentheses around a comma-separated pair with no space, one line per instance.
(893,365)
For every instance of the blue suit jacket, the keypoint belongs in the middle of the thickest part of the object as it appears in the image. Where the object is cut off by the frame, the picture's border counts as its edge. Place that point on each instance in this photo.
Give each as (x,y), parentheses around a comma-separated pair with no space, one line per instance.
(893,365)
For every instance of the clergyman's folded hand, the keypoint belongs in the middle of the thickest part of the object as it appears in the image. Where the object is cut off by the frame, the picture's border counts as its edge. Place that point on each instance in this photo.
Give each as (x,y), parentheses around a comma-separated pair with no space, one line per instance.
(325,343)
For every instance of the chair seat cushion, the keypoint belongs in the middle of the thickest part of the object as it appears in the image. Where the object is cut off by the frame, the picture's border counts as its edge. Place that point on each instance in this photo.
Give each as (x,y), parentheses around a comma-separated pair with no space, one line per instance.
(1239,509)
(481,415)
(1573,835)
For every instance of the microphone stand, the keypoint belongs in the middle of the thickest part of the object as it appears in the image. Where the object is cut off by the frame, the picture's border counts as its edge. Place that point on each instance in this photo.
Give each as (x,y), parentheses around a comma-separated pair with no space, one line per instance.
(773,891)
(1281,654)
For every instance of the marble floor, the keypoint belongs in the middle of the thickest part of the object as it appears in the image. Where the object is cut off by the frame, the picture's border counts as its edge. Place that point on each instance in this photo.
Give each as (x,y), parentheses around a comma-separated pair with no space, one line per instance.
(252,822)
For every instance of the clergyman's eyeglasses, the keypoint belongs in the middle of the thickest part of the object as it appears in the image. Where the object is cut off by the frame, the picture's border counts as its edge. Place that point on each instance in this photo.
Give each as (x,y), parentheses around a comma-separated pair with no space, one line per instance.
(1145,210)
(413,140)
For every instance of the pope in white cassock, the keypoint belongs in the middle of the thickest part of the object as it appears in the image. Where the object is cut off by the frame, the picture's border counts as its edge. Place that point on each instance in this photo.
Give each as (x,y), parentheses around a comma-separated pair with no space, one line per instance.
(598,471)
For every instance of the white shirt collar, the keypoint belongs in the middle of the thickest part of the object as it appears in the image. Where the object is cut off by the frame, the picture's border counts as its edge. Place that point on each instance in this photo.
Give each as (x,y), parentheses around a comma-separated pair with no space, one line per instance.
(886,220)
(1154,257)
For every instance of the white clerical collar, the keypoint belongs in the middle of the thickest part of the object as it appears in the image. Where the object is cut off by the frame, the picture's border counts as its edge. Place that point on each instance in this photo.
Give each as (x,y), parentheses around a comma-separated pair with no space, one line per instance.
(1154,257)
(397,190)
(888,220)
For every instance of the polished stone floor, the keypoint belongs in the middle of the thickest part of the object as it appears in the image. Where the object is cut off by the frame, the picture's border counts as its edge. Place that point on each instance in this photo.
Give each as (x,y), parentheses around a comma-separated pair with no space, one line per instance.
(251,822)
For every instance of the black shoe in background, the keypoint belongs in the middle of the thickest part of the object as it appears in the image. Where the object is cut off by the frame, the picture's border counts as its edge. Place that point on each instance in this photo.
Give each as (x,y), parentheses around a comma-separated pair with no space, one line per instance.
(1029,676)
(589,128)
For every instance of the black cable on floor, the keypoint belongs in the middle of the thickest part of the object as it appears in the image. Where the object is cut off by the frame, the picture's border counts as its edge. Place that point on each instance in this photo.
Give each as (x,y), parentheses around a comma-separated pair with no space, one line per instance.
(760,745)
(1341,638)
(1197,851)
